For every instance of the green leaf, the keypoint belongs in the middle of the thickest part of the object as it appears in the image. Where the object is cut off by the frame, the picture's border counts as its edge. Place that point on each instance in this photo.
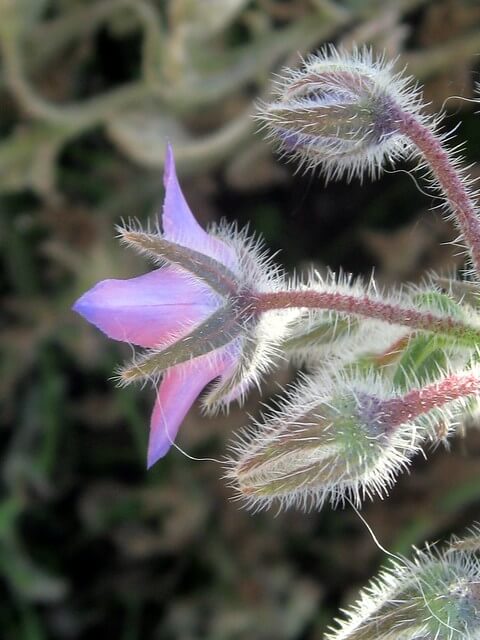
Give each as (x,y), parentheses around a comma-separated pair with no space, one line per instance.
(319,333)
(445,306)
(421,360)
(439,303)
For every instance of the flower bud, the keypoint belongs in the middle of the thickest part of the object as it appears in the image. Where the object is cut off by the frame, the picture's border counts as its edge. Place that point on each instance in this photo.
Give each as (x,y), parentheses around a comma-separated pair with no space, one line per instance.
(328,442)
(436,596)
(340,112)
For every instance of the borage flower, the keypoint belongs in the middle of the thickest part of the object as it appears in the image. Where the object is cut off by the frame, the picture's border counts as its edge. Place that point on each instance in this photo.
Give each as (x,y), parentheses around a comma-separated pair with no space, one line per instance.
(196,314)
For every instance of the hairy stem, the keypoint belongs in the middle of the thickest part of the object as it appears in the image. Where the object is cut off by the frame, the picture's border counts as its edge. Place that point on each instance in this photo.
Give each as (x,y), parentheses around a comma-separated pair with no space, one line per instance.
(366,307)
(420,401)
(450,180)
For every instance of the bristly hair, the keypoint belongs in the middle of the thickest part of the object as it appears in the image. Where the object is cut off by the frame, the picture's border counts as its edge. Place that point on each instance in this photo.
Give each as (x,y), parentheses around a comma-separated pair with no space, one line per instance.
(470,542)
(320,335)
(260,343)
(317,335)
(435,595)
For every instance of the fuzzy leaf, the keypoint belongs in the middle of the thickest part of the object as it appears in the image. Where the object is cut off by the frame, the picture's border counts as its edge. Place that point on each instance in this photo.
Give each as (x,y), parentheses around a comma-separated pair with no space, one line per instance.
(323,332)
(470,542)
(420,360)
(440,303)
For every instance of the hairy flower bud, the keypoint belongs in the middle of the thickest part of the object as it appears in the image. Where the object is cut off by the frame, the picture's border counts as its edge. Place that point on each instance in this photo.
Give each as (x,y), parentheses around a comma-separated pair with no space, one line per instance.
(435,596)
(339,112)
(327,442)
(344,435)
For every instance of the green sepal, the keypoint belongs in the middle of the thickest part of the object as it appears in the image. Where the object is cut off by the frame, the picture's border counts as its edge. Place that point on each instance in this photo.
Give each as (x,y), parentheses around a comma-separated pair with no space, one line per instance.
(215,274)
(220,328)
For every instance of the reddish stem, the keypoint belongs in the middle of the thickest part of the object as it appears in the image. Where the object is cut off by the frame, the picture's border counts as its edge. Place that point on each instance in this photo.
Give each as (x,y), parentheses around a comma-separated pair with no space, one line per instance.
(449,179)
(418,401)
(362,306)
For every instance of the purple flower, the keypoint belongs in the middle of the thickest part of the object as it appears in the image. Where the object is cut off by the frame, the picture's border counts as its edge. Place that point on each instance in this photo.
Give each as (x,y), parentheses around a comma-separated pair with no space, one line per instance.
(195,314)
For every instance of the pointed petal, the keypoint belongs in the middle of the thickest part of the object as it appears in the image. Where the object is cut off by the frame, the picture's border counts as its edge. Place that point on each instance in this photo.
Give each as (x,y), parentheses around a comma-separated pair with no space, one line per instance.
(177,216)
(179,224)
(176,394)
(148,309)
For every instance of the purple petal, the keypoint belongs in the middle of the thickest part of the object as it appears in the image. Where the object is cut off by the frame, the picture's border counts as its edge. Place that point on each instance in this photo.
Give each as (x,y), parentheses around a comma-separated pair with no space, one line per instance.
(180,226)
(149,309)
(176,394)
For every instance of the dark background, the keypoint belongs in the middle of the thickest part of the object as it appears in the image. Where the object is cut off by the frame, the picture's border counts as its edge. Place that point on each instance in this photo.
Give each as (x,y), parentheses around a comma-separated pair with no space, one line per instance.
(91,545)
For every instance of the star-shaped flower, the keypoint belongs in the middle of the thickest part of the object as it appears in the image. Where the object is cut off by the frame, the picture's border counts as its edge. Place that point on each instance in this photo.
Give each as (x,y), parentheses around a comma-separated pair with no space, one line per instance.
(196,314)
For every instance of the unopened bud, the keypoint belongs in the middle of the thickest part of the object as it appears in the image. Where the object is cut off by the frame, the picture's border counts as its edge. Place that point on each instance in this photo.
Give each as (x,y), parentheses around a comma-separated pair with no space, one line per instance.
(328,442)
(436,596)
(340,112)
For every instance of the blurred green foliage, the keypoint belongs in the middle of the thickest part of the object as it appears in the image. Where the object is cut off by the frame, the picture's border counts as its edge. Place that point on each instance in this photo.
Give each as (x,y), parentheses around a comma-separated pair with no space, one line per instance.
(90,544)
